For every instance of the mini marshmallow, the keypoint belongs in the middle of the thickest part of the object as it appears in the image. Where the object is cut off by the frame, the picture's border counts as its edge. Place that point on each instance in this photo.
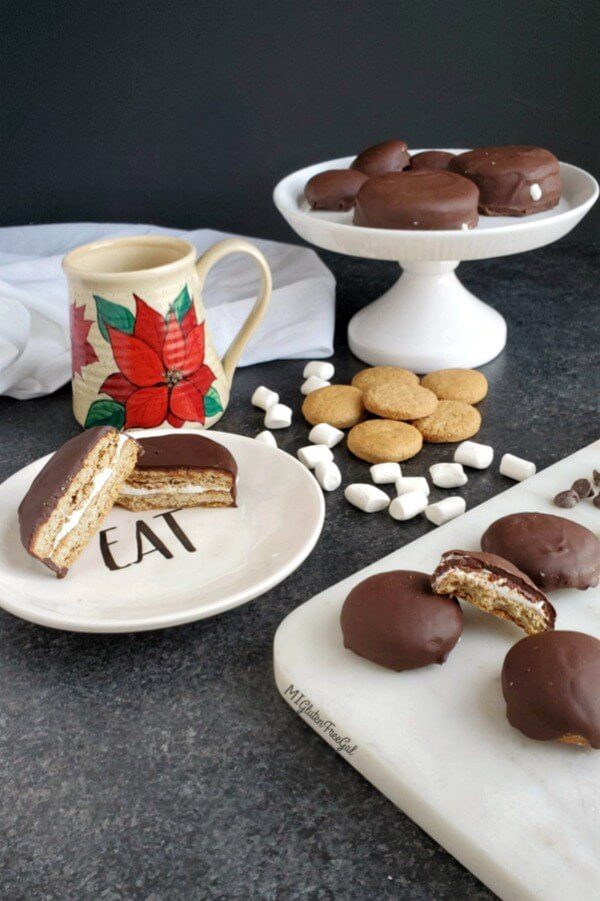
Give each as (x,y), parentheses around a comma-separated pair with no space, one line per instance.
(328,475)
(313,454)
(445,510)
(264,398)
(408,505)
(535,192)
(516,468)
(367,498)
(385,473)
(320,368)
(325,434)
(473,454)
(279,416)
(412,483)
(313,383)
(266,438)
(448,475)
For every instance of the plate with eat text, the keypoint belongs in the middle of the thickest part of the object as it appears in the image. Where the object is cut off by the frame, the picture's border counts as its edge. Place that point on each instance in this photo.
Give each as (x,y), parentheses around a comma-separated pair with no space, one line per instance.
(162,568)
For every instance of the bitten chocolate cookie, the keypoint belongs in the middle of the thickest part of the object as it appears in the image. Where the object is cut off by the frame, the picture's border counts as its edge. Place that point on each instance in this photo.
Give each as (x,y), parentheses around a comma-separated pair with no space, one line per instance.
(429,160)
(399,400)
(394,619)
(555,552)
(378,375)
(389,156)
(73,493)
(452,420)
(339,405)
(467,385)
(335,189)
(513,180)
(550,685)
(493,584)
(384,441)
(417,200)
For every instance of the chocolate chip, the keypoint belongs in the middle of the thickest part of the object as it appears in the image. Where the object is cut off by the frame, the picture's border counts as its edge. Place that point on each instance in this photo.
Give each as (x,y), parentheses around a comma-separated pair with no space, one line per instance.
(583,488)
(596,501)
(596,477)
(566,498)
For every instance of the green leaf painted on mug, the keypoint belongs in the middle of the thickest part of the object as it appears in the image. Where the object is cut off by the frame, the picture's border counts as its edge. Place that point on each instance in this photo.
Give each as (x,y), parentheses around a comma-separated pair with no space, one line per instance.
(212,403)
(105,412)
(113,314)
(181,304)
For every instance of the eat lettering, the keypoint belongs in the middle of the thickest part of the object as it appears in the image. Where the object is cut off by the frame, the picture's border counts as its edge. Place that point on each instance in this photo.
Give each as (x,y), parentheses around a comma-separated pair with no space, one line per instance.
(143,531)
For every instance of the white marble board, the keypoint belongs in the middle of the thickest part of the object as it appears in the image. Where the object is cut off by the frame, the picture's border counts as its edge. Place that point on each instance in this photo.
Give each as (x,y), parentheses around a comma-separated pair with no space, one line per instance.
(523,816)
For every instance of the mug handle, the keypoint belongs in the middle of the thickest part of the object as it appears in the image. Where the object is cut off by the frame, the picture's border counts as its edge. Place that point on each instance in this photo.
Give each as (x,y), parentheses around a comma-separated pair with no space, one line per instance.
(205,264)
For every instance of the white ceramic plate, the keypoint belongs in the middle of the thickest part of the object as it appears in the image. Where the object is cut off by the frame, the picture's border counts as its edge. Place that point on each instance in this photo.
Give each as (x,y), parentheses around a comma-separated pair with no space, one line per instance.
(239,553)
(493,236)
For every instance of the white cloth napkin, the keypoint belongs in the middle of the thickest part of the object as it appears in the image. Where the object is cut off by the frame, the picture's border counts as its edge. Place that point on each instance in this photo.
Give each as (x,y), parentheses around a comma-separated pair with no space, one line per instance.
(35,356)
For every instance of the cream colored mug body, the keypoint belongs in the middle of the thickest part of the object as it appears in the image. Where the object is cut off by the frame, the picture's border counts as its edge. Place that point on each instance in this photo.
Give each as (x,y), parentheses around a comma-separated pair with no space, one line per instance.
(142,354)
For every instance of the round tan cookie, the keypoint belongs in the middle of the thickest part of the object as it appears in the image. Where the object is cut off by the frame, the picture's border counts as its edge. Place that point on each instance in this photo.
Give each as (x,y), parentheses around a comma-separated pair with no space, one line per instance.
(384,441)
(399,400)
(377,375)
(453,420)
(339,405)
(457,384)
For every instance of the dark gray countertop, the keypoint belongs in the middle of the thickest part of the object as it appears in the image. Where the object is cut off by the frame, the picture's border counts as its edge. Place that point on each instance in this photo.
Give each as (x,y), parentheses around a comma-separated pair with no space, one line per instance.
(164,765)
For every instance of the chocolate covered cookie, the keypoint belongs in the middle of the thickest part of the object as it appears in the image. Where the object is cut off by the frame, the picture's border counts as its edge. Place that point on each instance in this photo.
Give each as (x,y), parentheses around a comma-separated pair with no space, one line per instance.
(72,494)
(394,619)
(417,200)
(335,189)
(180,471)
(495,585)
(555,552)
(550,685)
(429,160)
(389,156)
(513,180)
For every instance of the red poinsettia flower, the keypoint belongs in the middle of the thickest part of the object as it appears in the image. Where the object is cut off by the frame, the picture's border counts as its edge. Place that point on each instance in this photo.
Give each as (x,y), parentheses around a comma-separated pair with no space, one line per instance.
(82,352)
(162,370)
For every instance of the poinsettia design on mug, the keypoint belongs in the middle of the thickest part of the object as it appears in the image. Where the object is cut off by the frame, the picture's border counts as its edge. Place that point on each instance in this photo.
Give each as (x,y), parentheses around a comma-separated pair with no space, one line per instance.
(82,352)
(161,373)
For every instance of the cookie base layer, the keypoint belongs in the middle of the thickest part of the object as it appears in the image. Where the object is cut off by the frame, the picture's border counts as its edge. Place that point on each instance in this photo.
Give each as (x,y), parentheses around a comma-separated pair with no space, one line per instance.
(170,500)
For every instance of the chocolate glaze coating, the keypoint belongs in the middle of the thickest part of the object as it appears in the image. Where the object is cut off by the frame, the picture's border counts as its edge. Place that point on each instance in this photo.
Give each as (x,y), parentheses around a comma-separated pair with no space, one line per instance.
(335,189)
(505,175)
(551,685)
(171,451)
(417,200)
(555,552)
(52,482)
(395,620)
(389,156)
(430,160)
(499,569)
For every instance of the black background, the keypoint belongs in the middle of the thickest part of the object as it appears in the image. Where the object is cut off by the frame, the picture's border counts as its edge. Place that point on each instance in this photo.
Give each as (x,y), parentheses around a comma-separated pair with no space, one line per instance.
(187,113)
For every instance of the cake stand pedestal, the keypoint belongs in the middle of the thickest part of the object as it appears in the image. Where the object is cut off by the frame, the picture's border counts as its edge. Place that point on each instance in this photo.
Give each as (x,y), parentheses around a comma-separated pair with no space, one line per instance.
(428,302)
(428,319)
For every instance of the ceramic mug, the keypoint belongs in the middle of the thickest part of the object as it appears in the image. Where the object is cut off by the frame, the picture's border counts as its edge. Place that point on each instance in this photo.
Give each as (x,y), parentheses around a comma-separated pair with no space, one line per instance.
(141,352)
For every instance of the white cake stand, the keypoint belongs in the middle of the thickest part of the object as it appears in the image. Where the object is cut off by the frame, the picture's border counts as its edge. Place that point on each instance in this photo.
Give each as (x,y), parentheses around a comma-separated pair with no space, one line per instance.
(428,320)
